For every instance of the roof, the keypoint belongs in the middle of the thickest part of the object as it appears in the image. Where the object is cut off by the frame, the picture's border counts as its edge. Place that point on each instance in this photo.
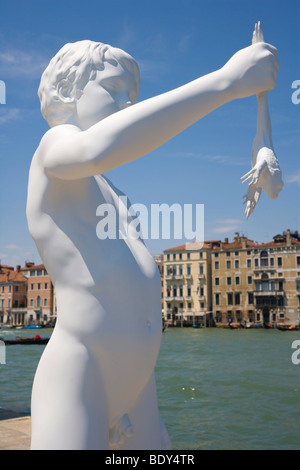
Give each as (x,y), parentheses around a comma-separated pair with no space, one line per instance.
(32,267)
(11,276)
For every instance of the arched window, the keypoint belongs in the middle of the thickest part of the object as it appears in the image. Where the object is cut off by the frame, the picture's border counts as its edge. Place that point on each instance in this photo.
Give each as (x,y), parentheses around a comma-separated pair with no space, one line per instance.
(38,301)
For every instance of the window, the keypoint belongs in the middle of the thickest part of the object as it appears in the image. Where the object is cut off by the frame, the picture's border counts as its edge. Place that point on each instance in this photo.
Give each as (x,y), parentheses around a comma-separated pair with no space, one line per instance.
(180,291)
(201,269)
(38,301)
(16,288)
(298,284)
(45,302)
(31,302)
(216,255)
(236,264)
(298,260)
(39,286)
(32,273)
(180,255)
(271,261)
(248,252)
(174,256)
(189,305)
(236,253)
(228,281)
(40,272)
(180,270)
(256,262)
(279,261)
(189,291)
(175,291)
(46,285)
(16,304)
(229,298)
(217,281)
(250,298)
(188,270)
(227,253)
(228,264)
(249,279)
(237,280)
(188,255)
(168,256)
(216,264)
(201,254)
(237,298)
(248,263)
(217,297)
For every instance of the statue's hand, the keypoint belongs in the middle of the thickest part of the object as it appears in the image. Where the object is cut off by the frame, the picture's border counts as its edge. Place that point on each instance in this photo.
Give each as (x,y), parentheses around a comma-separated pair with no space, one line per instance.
(252,70)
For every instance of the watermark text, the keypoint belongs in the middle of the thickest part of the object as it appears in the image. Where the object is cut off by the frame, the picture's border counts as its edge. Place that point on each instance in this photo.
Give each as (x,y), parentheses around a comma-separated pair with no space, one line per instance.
(161,221)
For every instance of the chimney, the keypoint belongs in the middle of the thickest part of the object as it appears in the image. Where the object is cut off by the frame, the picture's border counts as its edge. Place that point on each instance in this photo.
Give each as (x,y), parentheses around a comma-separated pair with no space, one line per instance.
(18,268)
(288,237)
(226,240)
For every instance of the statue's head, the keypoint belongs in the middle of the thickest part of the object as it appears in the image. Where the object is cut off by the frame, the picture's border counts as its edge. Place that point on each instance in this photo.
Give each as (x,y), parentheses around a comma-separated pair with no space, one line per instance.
(65,79)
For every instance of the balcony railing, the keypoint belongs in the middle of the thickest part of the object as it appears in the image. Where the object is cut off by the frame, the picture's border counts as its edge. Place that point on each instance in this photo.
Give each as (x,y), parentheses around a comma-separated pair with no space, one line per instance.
(201,276)
(269,292)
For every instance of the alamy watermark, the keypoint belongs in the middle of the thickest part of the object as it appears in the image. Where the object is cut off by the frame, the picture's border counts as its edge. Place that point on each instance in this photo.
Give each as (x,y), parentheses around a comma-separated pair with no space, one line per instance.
(296,354)
(296,94)
(2,92)
(2,352)
(161,221)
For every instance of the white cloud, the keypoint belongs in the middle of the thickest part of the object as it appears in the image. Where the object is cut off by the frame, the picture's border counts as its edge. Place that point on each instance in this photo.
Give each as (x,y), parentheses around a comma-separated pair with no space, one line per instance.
(227,225)
(9,114)
(16,63)
(224,159)
(295,178)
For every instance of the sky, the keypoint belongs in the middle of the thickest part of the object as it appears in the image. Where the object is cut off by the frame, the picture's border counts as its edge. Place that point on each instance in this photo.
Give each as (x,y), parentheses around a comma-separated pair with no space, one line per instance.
(174,42)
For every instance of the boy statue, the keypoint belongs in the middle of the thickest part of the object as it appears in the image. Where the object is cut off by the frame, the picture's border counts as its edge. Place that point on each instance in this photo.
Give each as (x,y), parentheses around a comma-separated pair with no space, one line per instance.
(94,387)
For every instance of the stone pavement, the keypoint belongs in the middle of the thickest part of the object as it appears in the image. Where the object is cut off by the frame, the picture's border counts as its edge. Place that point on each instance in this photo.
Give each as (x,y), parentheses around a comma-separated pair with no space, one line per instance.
(14,431)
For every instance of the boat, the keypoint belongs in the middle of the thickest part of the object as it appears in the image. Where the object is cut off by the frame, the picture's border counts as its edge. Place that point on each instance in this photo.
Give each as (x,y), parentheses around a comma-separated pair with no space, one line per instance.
(36,340)
(288,328)
(32,327)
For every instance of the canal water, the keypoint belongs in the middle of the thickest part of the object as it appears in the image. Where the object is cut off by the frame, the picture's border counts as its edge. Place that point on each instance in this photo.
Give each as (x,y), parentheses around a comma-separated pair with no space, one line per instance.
(217,388)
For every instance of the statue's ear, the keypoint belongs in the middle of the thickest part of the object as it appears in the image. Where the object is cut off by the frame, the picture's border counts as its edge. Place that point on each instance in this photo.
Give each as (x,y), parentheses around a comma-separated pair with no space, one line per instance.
(65,91)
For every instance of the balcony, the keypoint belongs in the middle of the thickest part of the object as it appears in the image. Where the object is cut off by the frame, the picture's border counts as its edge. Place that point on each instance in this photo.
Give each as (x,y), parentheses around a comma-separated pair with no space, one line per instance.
(19,310)
(178,276)
(169,277)
(264,268)
(201,276)
(188,276)
(262,293)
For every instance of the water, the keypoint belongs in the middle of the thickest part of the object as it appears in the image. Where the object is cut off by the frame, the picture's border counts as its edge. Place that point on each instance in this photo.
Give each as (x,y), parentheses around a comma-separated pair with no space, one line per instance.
(217,388)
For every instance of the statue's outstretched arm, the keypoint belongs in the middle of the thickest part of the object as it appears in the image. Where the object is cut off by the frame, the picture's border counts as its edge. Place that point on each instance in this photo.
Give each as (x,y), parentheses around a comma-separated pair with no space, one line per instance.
(133,132)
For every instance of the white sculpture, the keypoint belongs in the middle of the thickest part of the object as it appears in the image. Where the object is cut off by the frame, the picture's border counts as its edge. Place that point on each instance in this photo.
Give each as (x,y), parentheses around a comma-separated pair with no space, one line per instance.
(265,173)
(95,387)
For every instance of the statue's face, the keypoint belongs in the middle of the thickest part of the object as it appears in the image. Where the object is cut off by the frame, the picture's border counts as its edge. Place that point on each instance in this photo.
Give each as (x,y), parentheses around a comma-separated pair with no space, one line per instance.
(113,89)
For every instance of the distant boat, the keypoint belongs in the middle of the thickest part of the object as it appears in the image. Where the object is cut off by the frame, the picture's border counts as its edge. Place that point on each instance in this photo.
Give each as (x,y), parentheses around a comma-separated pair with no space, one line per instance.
(32,327)
(288,328)
(36,340)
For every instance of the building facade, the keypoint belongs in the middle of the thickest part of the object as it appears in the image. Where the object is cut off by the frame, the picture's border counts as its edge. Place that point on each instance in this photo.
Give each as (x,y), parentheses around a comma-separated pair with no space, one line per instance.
(187,283)
(40,295)
(13,296)
(241,282)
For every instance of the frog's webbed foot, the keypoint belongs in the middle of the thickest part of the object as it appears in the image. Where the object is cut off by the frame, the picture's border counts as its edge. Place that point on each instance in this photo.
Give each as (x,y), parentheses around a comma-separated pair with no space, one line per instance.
(251,198)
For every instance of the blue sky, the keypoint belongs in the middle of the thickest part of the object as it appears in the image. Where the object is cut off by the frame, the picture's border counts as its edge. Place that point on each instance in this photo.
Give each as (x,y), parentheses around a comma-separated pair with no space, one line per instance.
(174,41)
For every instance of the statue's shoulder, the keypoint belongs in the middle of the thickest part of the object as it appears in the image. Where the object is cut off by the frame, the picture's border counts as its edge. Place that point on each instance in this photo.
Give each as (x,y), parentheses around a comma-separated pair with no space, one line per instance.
(56,134)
